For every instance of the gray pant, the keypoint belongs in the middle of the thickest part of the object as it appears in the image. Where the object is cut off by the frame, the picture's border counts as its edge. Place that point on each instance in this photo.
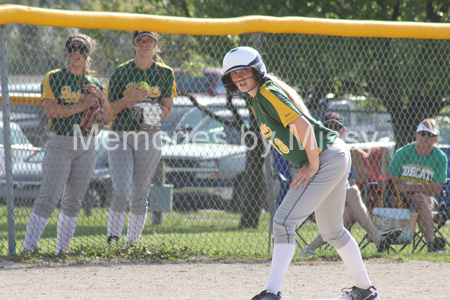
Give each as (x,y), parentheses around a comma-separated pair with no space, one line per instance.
(324,195)
(65,170)
(132,168)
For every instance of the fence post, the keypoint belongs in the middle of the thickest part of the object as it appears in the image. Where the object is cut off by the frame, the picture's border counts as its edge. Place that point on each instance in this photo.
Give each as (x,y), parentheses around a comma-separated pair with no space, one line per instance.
(159,179)
(268,162)
(7,142)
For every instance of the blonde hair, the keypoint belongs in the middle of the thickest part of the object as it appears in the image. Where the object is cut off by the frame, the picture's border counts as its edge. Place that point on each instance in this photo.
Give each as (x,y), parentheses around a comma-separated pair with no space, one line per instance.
(91,46)
(291,93)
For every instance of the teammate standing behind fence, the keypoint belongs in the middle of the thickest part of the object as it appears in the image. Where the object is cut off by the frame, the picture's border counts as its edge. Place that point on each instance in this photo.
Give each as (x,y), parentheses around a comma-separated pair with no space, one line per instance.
(137,150)
(68,166)
(323,160)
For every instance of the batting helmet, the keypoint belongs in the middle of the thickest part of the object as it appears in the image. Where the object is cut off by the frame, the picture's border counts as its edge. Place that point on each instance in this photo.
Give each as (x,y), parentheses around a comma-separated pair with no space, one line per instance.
(241,58)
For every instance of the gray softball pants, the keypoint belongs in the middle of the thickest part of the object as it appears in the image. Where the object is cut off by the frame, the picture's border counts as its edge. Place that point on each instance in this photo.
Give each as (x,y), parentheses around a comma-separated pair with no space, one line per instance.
(65,170)
(324,195)
(132,164)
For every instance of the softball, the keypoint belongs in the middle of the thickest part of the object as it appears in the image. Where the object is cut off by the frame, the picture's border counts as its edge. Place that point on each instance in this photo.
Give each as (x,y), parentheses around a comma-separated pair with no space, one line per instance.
(144,85)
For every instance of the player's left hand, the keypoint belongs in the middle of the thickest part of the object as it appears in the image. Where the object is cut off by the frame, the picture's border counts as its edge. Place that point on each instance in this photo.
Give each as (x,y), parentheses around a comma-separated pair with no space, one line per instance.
(303,175)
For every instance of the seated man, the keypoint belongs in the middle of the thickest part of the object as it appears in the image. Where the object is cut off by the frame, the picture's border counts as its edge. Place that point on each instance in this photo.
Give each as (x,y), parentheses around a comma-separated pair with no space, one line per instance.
(420,170)
(355,210)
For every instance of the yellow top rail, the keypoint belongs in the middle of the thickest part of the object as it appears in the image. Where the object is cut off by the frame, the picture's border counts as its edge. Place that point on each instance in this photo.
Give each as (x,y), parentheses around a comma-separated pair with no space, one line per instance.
(233,26)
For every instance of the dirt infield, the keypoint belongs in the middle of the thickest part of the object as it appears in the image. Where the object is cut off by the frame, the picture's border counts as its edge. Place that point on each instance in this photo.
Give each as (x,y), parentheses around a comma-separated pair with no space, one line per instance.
(413,280)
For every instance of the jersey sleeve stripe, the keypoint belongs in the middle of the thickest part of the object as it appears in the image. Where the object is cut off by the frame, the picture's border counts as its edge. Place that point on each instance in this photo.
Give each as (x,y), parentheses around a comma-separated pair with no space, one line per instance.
(285,113)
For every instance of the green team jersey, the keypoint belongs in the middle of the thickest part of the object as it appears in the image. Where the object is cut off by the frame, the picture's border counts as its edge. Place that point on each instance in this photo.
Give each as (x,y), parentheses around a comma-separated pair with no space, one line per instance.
(414,169)
(67,89)
(159,77)
(274,111)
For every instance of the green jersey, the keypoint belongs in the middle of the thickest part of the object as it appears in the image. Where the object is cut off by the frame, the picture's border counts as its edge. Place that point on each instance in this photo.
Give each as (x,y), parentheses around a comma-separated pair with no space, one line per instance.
(67,89)
(274,111)
(414,169)
(159,77)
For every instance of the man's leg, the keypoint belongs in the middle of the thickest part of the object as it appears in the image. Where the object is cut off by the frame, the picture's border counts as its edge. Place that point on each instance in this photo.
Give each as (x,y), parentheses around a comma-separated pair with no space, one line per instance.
(360,214)
(424,205)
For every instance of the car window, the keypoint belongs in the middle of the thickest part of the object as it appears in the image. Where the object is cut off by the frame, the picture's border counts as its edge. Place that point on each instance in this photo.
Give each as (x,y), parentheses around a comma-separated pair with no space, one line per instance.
(197,85)
(36,158)
(17,137)
(215,132)
(168,125)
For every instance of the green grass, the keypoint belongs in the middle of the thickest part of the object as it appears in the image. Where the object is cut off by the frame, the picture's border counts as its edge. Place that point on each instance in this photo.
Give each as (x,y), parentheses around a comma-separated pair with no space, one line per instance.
(204,234)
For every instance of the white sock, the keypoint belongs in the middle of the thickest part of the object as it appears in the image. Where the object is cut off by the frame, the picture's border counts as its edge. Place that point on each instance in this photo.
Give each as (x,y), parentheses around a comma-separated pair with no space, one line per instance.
(281,258)
(65,230)
(35,227)
(116,220)
(135,226)
(351,256)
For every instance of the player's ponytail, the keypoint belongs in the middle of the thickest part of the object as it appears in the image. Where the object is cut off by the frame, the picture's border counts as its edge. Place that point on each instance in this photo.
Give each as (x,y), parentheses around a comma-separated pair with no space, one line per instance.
(291,93)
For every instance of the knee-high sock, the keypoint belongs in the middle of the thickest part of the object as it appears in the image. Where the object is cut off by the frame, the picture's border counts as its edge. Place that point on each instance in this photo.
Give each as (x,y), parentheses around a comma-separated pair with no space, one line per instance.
(351,256)
(65,230)
(281,258)
(135,226)
(116,220)
(35,227)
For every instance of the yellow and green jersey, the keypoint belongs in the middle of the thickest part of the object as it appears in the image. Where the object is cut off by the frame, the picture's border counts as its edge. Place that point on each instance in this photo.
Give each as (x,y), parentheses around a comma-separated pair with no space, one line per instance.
(159,77)
(274,111)
(67,89)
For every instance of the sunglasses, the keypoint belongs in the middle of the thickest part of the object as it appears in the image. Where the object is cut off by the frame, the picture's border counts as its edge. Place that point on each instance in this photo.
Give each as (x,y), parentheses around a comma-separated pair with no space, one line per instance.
(82,50)
(427,133)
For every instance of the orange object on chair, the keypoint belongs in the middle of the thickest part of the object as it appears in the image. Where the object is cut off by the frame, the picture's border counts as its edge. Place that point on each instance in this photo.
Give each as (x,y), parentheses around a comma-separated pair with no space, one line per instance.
(370,168)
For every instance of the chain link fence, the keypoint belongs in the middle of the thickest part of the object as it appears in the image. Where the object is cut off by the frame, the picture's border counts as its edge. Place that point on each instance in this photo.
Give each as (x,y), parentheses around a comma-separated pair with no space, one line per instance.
(219,191)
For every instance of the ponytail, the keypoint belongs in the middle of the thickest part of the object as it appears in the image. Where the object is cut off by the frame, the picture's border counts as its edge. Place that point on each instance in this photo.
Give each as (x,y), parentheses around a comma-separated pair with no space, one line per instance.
(291,93)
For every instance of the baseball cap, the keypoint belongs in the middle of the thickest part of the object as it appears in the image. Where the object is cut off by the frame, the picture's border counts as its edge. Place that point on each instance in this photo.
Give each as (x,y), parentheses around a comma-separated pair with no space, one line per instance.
(428,125)
(333,117)
(77,40)
(138,34)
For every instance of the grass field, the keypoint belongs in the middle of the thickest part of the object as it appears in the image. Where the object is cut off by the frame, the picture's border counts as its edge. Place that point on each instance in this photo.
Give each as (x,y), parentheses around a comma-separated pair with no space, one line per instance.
(204,233)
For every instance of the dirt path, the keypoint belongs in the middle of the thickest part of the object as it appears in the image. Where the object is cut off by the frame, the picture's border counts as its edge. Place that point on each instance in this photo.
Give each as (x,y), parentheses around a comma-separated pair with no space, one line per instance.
(412,280)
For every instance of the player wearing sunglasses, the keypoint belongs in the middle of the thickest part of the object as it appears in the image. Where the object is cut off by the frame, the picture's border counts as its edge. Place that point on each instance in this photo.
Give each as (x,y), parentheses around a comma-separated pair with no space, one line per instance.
(420,169)
(67,168)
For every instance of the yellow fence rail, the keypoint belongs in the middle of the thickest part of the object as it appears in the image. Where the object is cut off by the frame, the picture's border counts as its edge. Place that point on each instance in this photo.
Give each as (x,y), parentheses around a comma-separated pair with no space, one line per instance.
(234,26)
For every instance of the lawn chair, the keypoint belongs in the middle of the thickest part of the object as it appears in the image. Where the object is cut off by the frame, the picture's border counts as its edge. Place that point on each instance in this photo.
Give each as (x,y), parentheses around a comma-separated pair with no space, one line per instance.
(443,210)
(370,168)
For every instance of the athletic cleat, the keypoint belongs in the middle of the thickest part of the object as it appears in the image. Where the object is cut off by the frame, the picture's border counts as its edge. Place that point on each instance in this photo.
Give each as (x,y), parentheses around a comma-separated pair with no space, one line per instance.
(308,252)
(112,238)
(387,238)
(267,295)
(359,294)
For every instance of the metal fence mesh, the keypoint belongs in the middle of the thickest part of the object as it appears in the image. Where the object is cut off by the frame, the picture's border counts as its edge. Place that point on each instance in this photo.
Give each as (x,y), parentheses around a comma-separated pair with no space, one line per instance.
(382,88)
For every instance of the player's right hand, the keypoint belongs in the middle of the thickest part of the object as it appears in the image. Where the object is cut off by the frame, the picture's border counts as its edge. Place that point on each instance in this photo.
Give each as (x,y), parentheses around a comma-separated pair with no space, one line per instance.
(89,100)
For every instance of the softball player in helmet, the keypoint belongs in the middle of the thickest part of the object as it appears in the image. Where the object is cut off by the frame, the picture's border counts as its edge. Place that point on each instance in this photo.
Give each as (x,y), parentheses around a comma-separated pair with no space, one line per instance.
(136,152)
(323,160)
(67,167)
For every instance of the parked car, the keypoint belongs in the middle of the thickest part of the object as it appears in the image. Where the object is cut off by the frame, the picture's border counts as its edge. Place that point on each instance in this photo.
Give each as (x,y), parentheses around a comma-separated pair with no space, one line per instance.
(207,83)
(27,177)
(206,169)
(21,148)
(31,118)
(192,116)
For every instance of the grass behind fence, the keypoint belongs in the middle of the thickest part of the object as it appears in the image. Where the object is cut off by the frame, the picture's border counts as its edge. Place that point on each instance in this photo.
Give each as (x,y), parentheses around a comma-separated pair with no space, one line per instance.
(205,233)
